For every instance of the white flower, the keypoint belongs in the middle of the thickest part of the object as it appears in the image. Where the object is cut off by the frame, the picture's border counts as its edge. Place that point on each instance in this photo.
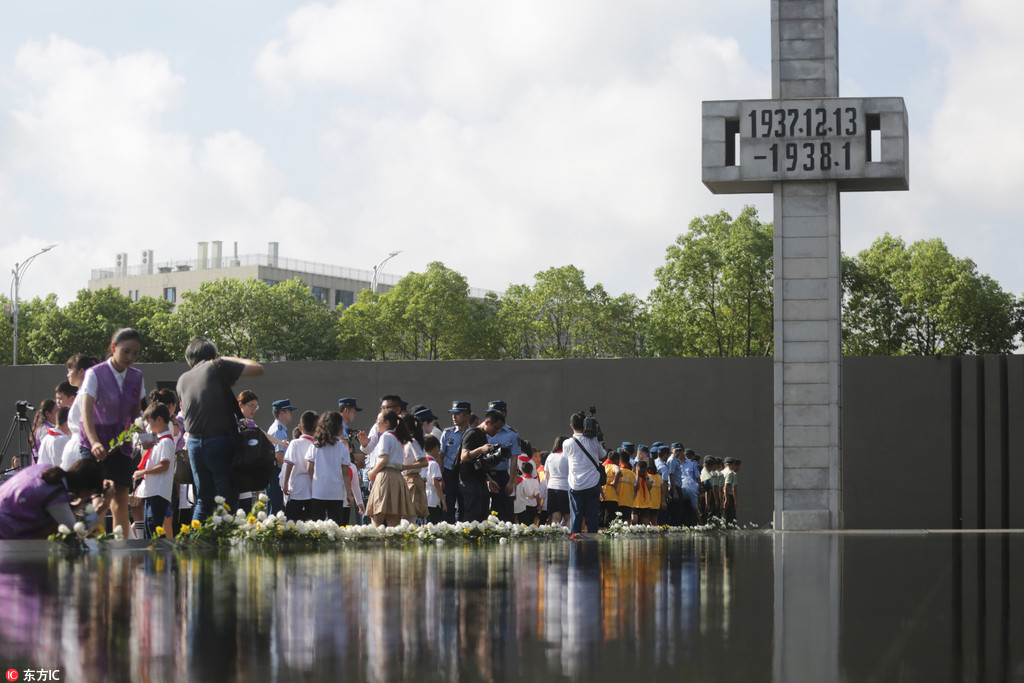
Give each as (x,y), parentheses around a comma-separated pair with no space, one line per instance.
(219,500)
(80,528)
(140,423)
(119,532)
(89,509)
(263,498)
(63,529)
(261,515)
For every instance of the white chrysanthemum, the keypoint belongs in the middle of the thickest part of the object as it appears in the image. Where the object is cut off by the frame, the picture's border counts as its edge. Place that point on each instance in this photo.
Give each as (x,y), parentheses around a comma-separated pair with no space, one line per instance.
(63,529)
(219,500)
(263,498)
(80,528)
(261,515)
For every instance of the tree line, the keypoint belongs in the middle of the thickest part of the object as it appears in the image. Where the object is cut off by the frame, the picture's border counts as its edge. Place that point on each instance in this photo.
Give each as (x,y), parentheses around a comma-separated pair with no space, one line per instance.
(713,297)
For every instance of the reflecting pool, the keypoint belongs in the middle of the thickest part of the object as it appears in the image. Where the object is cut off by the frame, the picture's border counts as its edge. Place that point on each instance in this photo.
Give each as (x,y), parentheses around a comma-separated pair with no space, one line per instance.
(746,607)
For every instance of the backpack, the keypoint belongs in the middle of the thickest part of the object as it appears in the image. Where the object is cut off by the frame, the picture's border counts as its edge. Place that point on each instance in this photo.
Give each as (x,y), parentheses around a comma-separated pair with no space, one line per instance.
(253,466)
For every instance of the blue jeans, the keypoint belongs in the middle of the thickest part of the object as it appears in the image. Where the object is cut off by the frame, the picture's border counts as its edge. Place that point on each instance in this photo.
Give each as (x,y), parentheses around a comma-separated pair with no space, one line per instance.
(154,513)
(275,496)
(584,506)
(211,458)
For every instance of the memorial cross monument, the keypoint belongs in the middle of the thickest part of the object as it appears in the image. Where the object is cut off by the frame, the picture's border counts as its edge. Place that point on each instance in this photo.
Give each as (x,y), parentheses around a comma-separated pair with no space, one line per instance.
(806,145)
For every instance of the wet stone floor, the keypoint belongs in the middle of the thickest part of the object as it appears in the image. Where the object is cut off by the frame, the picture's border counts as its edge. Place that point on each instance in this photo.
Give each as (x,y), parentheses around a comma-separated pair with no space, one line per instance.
(748,606)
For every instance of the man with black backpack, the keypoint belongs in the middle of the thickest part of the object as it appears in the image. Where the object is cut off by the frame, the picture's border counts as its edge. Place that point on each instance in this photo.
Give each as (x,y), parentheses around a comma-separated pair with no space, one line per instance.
(209,409)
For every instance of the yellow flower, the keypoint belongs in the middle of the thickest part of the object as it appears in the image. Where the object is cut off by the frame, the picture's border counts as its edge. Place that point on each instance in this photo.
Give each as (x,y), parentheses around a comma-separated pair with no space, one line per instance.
(251,519)
(196,524)
(184,529)
(227,507)
(159,531)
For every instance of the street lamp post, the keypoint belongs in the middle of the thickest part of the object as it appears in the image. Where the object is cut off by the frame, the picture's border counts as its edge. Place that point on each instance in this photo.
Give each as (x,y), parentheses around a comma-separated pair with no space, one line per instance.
(19,272)
(376,270)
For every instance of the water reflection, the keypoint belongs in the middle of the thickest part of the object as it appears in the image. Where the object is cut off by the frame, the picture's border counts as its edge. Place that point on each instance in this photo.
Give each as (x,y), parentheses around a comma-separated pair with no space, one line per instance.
(742,607)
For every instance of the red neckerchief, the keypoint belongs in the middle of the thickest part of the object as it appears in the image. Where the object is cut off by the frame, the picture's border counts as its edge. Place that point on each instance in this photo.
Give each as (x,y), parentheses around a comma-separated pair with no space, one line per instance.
(307,437)
(607,461)
(643,483)
(149,451)
(53,432)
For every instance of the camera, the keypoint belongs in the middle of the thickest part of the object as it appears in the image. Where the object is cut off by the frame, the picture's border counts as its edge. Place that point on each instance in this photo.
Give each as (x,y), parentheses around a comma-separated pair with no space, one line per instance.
(491,458)
(591,428)
(23,407)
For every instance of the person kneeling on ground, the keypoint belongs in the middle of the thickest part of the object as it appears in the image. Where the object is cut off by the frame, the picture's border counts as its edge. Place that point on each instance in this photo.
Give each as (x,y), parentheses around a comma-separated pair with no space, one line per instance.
(39,498)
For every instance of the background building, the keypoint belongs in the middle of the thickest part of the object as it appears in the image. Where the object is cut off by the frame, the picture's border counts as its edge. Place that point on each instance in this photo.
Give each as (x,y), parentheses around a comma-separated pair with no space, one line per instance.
(336,286)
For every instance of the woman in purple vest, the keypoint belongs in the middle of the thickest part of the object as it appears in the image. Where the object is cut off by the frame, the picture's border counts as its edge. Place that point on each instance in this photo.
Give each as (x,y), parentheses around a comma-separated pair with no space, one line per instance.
(111,395)
(38,498)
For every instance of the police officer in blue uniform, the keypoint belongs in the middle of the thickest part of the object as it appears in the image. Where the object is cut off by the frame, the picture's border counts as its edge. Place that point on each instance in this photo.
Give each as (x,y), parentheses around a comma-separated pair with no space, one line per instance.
(283,410)
(506,474)
(451,442)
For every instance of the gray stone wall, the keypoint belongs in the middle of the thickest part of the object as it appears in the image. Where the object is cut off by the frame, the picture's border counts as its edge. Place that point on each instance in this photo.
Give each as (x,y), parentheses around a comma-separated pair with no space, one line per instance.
(926,441)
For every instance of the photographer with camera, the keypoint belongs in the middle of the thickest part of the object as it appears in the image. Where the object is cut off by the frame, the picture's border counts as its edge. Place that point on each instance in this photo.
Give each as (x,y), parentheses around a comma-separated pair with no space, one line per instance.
(477,457)
(584,453)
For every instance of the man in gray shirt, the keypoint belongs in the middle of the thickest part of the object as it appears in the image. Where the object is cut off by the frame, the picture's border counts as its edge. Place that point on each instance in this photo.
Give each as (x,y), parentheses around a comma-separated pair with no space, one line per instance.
(207,406)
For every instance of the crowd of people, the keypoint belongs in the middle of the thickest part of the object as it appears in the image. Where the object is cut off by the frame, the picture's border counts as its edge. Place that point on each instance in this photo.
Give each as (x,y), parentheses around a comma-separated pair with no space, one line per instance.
(405,467)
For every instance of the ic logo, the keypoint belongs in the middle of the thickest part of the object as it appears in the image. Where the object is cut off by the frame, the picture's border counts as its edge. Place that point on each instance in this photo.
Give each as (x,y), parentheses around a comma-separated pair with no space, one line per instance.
(12,674)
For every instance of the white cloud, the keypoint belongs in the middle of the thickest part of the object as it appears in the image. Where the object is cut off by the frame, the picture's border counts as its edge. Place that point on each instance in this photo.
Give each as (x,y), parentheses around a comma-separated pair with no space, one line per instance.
(99,136)
(569,131)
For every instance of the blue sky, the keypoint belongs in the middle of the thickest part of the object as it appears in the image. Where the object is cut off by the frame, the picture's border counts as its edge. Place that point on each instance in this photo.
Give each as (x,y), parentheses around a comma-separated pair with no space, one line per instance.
(499,138)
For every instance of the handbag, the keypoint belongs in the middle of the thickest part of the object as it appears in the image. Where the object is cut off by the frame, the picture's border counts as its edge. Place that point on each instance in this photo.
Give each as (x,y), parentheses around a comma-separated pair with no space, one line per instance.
(183,468)
(602,472)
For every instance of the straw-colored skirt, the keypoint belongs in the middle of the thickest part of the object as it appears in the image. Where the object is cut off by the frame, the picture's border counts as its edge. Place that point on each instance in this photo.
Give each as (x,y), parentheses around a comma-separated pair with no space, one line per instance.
(389,495)
(417,487)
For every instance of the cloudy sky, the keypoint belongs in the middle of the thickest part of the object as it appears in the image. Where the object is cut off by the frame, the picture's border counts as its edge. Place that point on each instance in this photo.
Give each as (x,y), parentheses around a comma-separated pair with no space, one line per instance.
(501,138)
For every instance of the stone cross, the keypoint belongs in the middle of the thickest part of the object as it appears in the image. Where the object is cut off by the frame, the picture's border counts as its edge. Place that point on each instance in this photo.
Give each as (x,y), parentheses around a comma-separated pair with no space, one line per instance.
(806,145)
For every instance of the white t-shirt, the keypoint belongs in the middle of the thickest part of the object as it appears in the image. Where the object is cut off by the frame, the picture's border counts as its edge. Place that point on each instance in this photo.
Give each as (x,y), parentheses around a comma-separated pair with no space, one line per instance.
(90,383)
(557,469)
(413,453)
(527,488)
(431,472)
(582,469)
(301,484)
(159,484)
(390,446)
(75,415)
(51,448)
(357,493)
(328,479)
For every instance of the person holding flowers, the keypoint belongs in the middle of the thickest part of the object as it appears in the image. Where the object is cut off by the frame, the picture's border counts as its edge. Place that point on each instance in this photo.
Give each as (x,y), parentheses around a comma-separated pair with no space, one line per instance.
(155,476)
(41,499)
(111,400)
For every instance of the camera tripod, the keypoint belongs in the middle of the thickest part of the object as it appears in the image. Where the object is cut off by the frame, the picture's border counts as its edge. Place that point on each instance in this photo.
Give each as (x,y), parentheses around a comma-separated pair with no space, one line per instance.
(20,425)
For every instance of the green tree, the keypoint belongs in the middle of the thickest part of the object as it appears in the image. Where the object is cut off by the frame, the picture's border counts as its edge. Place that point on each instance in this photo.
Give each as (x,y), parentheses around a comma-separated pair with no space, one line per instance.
(84,325)
(425,316)
(922,300)
(714,294)
(163,340)
(559,316)
(253,319)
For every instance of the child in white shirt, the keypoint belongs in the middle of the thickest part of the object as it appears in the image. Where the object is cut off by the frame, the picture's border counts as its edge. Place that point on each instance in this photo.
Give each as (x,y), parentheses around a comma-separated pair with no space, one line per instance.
(51,447)
(155,476)
(436,506)
(296,483)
